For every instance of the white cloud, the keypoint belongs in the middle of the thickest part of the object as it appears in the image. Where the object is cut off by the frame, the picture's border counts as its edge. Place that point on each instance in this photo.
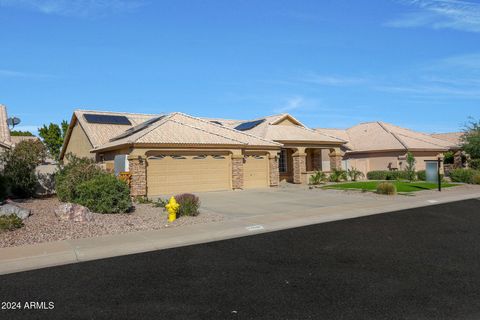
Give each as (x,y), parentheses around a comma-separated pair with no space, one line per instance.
(291,105)
(20,74)
(440,14)
(77,8)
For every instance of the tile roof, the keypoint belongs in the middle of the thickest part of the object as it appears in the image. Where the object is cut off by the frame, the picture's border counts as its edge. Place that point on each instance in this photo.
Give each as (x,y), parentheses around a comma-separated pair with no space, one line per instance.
(179,128)
(453,137)
(17,139)
(381,136)
(282,133)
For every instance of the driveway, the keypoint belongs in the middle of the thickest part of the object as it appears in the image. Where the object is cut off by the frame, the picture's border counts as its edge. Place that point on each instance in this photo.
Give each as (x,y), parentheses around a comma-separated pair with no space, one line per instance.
(420,263)
(286,199)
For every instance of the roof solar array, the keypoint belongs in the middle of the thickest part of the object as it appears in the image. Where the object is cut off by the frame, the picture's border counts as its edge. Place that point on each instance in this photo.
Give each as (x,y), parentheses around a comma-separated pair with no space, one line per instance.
(106,119)
(216,122)
(137,128)
(249,125)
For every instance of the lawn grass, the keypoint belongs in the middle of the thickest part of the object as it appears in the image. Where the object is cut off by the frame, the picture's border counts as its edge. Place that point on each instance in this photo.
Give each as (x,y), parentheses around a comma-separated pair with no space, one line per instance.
(402,186)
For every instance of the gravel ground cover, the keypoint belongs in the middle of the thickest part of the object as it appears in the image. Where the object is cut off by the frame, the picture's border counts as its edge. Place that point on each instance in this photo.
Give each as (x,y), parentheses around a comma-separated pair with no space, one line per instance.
(44,226)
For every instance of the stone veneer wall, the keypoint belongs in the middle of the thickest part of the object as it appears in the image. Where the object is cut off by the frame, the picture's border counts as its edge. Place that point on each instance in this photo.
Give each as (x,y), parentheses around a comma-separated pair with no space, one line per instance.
(237,172)
(335,160)
(138,180)
(299,167)
(274,172)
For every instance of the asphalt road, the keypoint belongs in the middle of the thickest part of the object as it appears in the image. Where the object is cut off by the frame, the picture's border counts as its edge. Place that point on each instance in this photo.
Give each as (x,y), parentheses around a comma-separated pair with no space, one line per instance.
(413,264)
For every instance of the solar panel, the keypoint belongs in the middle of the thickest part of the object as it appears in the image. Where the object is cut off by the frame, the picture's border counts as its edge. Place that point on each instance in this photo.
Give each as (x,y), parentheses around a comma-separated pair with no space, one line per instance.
(137,128)
(216,122)
(249,125)
(106,119)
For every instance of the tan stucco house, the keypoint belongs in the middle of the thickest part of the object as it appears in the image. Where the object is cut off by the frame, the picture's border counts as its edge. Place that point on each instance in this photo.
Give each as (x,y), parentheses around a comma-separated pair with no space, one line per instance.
(382,146)
(5,138)
(177,152)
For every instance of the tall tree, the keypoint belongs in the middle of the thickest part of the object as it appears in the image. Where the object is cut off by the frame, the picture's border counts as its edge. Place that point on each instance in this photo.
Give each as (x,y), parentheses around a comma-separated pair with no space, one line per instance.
(53,135)
(471,139)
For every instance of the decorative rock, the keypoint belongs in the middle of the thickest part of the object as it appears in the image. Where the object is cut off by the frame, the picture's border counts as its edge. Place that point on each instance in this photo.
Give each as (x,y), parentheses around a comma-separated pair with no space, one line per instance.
(8,209)
(73,212)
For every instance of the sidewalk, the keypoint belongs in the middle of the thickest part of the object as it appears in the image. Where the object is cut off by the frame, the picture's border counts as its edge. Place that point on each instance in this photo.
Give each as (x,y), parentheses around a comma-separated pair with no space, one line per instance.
(16,259)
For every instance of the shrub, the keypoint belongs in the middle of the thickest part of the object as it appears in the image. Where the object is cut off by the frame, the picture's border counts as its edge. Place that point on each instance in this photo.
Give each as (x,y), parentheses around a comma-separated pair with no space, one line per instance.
(19,166)
(387,188)
(476,179)
(354,174)
(104,194)
(10,222)
(387,175)
(449,157)
(318,177)
(72,174)
(337,175)
(189,204)
(463,175)
(410,167)
(3,188)
(474,164)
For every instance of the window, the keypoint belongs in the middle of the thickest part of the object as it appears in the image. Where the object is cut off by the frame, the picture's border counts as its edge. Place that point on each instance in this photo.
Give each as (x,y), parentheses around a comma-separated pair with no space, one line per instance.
(282,161)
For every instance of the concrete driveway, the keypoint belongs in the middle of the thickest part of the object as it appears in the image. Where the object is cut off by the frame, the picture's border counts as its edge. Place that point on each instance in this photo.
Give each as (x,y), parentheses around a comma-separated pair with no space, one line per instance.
(286,199)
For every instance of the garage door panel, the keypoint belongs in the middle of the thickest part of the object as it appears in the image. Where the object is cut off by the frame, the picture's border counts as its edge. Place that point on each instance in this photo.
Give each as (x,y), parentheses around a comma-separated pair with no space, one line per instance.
(255,171)
(192,173)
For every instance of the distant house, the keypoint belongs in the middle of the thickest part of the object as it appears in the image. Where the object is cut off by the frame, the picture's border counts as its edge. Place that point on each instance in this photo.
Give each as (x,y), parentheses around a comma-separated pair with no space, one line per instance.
(382,146)
(17,139)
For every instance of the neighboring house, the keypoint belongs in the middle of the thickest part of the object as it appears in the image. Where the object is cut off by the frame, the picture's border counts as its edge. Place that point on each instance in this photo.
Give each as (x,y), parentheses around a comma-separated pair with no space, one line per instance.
(5,139)
(179,153)
(17,139)
(455,138)
(383,146)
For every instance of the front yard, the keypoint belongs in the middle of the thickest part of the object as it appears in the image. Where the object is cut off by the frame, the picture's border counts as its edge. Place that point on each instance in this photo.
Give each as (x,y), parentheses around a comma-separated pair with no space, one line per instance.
(44,226)
(402,186)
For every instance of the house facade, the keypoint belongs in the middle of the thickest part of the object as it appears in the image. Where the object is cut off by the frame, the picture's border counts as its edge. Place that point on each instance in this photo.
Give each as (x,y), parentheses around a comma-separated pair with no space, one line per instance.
(5,138)
(171,153)
(382,146)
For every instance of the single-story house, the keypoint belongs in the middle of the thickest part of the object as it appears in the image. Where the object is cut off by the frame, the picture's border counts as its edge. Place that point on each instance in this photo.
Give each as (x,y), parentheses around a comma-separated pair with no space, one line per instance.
(382,146)
(176,152)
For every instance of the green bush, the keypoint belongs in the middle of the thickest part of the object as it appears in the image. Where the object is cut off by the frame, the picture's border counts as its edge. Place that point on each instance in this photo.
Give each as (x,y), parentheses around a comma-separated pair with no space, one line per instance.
(3,188)
(318,177)
(104,194)
(449,157)
(337,175)
(474,164)
(189,204)
(386,188)
(476,179)
(463,175)
(387,175)
(70,175)
(10,222)
(19,166)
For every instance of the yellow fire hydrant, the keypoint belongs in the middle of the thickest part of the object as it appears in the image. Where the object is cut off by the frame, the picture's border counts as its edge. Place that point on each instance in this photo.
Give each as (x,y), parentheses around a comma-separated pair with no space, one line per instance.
(172,208)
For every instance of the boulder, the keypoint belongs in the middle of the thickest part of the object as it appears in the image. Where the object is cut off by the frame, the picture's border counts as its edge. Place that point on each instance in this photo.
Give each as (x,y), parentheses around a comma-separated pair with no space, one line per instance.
(8,209)
(73,212)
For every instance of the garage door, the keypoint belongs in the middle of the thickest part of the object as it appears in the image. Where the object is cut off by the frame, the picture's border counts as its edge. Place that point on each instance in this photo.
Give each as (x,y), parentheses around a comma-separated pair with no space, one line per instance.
(255,171)
(170,174)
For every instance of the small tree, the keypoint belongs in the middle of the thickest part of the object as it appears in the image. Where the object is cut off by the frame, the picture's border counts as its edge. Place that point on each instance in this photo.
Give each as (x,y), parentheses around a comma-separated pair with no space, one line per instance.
(19,167)
(53,137)
(21,133)
(410,167)
(471,139)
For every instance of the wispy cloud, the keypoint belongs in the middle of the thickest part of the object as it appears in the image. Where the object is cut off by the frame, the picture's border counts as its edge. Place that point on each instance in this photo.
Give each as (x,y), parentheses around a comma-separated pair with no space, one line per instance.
(20,74)
(74,8)
(291,105)
(331,80)
(440,14)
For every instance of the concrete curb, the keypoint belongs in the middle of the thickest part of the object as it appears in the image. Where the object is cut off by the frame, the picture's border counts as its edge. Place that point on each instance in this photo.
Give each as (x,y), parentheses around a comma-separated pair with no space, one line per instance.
(30,257)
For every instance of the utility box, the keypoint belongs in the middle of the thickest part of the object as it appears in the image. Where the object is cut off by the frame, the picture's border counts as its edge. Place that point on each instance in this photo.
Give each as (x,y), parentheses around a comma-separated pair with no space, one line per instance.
(120,164)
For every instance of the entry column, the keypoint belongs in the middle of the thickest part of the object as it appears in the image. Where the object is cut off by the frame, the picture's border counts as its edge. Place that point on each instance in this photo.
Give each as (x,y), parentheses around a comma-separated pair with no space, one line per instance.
(299,165)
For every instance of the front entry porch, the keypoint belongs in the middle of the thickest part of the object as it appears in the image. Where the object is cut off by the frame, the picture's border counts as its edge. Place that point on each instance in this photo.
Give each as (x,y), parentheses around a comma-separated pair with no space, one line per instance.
(297,164)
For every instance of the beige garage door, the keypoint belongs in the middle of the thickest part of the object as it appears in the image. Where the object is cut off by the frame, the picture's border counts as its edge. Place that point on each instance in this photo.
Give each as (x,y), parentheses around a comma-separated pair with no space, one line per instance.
(255,171)
(170,174)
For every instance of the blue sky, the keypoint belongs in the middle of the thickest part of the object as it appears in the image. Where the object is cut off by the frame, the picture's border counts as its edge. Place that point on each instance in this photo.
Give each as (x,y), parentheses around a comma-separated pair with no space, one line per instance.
(415,63)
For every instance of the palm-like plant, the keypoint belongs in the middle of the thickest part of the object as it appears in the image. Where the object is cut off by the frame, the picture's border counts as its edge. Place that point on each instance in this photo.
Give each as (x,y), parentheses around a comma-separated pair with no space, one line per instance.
(318,177)
(338,175)
(354,174)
